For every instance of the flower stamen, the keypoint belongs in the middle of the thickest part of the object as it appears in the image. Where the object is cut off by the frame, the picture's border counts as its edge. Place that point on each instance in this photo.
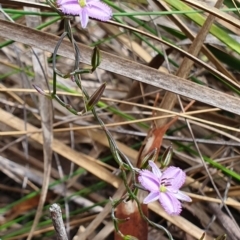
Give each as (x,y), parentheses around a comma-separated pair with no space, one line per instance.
(162,188)
(82,3)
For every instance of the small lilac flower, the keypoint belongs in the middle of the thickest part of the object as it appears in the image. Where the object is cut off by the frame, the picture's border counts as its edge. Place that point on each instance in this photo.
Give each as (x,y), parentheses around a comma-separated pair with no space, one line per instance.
(164,186)
(85,9)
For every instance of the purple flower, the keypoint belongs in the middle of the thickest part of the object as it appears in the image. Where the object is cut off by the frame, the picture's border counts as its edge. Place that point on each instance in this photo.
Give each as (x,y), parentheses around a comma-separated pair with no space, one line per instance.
(164,186)
(85,9)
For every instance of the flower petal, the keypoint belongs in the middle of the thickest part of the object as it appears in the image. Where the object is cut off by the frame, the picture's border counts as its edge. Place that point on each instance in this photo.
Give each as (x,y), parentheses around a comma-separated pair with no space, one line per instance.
(151,197)
(66,1)
(148,174)
(90,1)
(70,7)
(84,17)
(182,196)
(156,171)
(99,10)
(170,203)
(148,180)
(176,176)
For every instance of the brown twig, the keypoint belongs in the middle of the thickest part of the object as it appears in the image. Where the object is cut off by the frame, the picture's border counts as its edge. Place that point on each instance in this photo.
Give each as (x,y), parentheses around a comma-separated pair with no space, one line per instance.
(56,216)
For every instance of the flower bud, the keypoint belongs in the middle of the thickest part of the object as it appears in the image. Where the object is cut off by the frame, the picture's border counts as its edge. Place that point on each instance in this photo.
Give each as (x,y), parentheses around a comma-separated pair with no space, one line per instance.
(93,100)
(166,157)
(151,155)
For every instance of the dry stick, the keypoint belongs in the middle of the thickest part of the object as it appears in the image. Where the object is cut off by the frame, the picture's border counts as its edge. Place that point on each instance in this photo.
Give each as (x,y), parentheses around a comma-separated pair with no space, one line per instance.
(225,221)
(56,216)
(45,109)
